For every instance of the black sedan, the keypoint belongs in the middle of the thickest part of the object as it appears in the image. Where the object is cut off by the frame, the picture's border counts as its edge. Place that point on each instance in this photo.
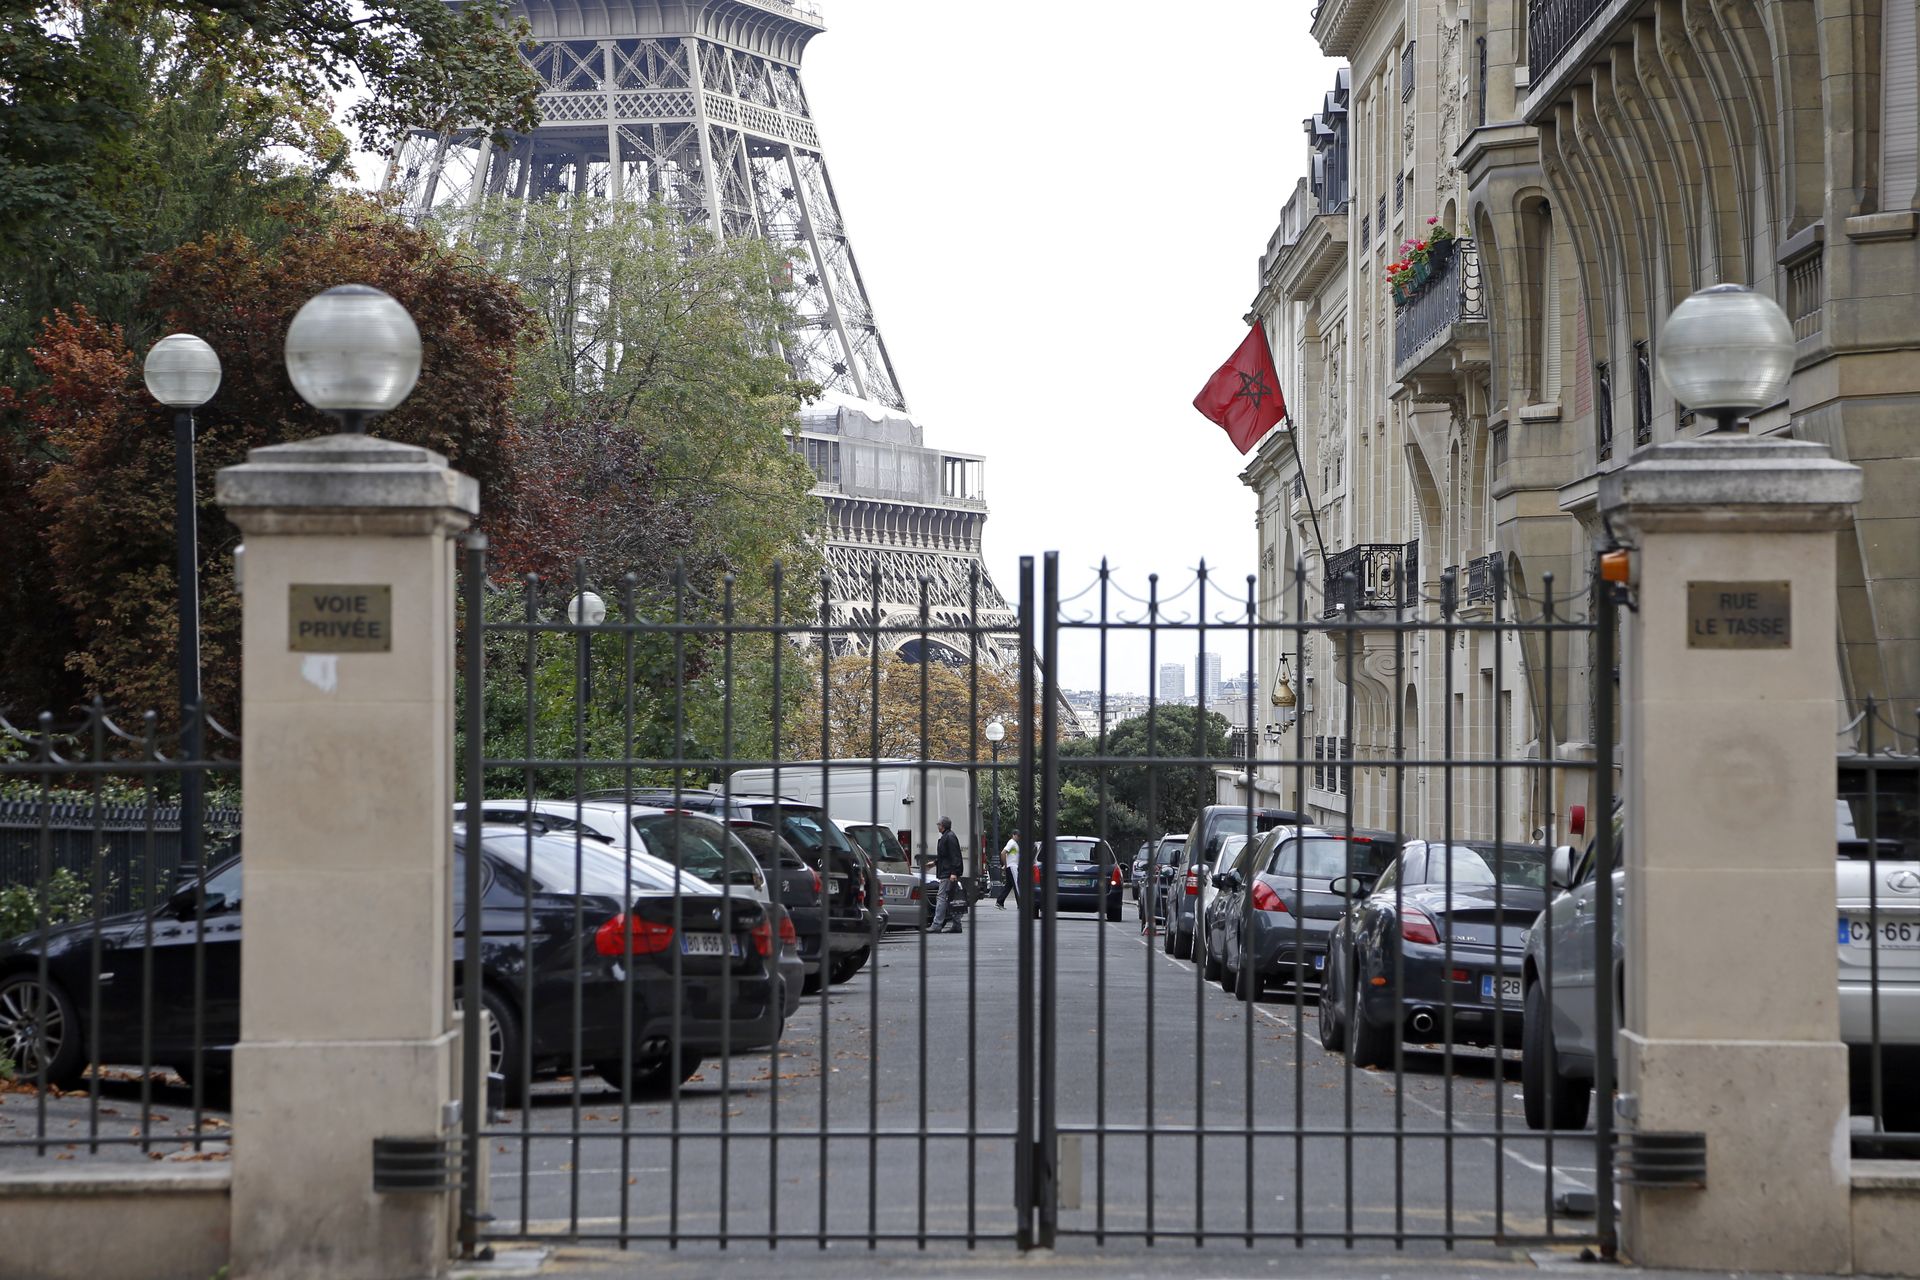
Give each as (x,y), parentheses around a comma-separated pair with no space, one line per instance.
(1432,950)
(665,980)
(1086,876)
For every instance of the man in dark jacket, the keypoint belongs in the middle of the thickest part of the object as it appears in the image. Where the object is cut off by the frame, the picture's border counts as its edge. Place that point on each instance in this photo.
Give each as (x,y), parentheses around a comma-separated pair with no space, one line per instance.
(949,865)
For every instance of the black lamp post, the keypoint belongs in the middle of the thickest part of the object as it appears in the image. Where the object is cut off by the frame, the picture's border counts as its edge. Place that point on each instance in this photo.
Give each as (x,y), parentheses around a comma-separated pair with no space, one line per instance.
(996,734)
(182,372)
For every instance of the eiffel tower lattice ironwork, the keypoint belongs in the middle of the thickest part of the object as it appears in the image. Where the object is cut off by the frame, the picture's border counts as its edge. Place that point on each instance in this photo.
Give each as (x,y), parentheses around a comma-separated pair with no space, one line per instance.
(697,104)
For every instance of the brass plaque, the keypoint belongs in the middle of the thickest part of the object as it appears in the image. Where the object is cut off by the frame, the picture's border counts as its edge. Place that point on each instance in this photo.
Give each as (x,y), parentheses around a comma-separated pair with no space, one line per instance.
(333,618)
(1739,615)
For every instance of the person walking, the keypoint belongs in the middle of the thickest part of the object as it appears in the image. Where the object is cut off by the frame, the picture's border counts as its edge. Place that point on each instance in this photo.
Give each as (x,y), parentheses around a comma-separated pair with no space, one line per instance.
(949,865)
(1009,872)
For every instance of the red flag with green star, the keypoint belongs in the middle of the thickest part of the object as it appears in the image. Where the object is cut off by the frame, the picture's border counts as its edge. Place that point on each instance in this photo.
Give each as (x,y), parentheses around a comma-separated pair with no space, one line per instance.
(1243,395)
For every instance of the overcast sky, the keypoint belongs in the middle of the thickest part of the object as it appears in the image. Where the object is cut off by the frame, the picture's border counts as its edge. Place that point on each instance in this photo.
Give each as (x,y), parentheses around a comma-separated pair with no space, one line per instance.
(1058,207)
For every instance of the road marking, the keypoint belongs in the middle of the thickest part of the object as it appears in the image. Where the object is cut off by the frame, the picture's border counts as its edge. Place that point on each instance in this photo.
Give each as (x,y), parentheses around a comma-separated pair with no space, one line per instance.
(1554,1173)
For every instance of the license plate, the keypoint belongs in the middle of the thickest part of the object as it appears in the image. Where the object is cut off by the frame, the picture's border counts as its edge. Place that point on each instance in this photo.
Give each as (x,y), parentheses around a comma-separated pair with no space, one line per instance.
(1319,963)
(898,890)
(1892,935)
(707,944)
(835,884)
(1509,988)
(1076,880)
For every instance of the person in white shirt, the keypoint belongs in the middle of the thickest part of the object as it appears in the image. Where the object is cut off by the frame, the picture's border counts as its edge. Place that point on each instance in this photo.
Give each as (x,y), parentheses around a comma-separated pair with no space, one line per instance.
(1009,872)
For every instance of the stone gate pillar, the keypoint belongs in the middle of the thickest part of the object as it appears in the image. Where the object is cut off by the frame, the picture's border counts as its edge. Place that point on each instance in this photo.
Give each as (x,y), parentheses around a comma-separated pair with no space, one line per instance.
(1728,704)
(347,690)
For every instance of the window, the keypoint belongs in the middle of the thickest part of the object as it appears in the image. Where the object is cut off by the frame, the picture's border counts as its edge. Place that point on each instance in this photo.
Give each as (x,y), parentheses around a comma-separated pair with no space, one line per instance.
(1082,851)
(1642,392)
(697,845)
(1311,857)
(1603,408)
(1406,72)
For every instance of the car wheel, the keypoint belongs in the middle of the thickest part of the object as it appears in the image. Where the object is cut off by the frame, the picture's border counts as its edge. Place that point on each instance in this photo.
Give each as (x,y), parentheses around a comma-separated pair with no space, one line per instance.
(1182,943)
(1571,1098)
(40,1030)
(1248,986)
(1228,974)
(811,986)
(503,1045)
(1333,1036)
(1368,1045)
(656,1076)
(1209,962)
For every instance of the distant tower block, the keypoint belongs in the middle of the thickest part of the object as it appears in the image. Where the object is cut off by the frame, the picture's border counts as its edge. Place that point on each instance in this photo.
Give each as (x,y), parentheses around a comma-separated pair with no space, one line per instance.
(698,104)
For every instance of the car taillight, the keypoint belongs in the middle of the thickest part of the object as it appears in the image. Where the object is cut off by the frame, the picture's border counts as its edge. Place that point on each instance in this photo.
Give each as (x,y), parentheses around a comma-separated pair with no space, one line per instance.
(1265,899)
(1193,882)
(1417,926)
(1116,875)
(1036,873)
(762,938)
(788,935)
(641,937)
(816,883)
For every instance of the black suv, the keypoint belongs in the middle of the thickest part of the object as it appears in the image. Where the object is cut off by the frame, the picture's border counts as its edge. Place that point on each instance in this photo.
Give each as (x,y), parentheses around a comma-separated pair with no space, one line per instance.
(855,916)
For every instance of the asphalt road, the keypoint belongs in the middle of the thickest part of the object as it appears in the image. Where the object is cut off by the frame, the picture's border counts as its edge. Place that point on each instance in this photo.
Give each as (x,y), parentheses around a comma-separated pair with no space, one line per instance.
(889,1111)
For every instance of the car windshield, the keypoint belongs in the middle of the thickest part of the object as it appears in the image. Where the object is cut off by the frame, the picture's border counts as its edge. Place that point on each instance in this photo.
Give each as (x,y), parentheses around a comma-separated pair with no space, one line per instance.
(1517,866)
(806,830)
(1231,822)
(767,847)
(881,844)
(1230,850)
(698,845)
(1082,851)
(1315,857)
(563,865)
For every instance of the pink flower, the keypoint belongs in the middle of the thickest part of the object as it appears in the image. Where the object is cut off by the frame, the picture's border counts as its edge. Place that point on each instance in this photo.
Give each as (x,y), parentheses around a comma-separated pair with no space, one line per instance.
(1432,220)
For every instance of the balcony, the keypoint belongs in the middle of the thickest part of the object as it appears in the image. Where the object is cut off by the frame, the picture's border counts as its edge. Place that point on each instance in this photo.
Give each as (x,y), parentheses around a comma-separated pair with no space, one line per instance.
(1313,258)
(1441,331)
(1562,35)
(1373,575)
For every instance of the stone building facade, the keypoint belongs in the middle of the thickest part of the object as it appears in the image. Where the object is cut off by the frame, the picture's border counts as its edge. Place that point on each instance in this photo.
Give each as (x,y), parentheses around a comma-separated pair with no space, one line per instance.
(1595,161)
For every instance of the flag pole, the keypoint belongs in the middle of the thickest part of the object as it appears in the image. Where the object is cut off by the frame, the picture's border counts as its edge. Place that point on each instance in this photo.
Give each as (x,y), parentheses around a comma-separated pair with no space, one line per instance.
(1312,511)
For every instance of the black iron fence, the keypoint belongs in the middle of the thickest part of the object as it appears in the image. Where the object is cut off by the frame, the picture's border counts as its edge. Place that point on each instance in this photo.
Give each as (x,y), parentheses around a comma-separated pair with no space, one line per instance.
(704,890)
(1552,27)
(119,943)
(1450,294)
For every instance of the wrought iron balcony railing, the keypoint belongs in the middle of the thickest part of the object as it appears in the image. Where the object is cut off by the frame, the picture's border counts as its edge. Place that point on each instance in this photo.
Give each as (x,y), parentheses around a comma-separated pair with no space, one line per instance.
(1552,26)
(1481,584)
(1451,294)
(1373,575)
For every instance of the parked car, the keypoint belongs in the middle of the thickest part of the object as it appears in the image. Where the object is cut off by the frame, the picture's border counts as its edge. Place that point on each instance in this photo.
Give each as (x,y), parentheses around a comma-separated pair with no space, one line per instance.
(1561,1037)
(903,889)
(1277,907)
(798,890)
(1086,876)
(698,850)
(1137,875)
(1209,928)
(908,797)
(855,904)
(1211,826)
(1445,926)
(644,944)
(1157,882)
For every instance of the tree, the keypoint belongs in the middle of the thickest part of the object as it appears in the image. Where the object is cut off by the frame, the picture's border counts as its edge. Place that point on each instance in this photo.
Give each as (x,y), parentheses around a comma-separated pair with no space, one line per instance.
(891,708)
(94,463)
(1131,802)
(654,327)
(133,126)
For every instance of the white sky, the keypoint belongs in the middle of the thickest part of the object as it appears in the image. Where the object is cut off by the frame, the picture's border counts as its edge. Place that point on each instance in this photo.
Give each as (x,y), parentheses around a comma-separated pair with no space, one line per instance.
(1059,208)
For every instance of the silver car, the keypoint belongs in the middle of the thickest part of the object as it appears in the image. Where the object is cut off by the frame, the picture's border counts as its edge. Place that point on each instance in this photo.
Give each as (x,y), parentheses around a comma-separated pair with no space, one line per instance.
(1560,1036)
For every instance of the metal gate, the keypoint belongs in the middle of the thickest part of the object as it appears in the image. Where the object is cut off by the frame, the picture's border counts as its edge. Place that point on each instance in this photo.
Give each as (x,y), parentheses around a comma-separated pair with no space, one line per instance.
(686,802)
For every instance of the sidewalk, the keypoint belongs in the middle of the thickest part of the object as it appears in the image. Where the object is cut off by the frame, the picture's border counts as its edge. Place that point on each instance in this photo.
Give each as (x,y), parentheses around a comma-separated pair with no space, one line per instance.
(1075,1260)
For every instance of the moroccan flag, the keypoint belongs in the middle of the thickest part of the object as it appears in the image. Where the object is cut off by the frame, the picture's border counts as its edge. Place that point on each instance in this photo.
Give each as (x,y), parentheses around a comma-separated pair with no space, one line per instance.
(1243,395)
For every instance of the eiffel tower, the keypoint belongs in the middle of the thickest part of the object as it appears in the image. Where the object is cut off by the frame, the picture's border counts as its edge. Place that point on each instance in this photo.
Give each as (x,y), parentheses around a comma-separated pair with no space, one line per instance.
(698,104)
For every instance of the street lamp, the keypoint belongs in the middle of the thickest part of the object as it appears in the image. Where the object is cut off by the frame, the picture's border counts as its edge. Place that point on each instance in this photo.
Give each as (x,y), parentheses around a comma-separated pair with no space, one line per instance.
(996,734)
(586,610)
(1727,352)
(353,352)
(182,372)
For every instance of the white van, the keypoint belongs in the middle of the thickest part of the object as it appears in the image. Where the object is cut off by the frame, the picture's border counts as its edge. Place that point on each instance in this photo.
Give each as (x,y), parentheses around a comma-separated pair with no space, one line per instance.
(905,796)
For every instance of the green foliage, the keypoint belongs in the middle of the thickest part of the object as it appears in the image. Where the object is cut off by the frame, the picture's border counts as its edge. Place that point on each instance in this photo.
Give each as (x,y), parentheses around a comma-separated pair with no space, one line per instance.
(65,898)
(654,327)
(1128,803)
